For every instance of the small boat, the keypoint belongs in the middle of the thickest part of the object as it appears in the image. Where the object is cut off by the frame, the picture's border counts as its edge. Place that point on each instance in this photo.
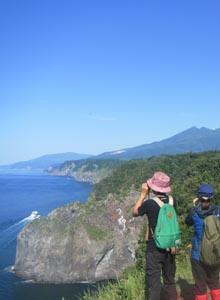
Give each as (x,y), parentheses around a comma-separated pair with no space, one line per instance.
(34,215)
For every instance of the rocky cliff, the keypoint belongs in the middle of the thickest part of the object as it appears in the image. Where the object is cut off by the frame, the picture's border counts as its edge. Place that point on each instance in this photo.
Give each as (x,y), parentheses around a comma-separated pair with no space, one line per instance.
(85,170)
(79,242)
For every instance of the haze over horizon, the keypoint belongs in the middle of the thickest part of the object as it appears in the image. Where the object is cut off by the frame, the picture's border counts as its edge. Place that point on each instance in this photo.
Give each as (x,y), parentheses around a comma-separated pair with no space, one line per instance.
(91,77)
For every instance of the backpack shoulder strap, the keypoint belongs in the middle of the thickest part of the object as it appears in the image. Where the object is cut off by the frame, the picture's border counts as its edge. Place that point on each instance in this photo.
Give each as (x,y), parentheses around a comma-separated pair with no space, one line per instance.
(171,201)
(158,201)
(161,203)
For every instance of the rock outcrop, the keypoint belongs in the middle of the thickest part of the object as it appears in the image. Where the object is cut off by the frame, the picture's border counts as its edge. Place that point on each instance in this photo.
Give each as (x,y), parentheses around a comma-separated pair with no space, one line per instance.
(92,171)
(80,242)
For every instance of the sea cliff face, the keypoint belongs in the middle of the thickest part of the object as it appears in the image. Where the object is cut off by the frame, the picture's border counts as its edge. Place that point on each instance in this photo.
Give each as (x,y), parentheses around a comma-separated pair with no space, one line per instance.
(92,171)
(80,242)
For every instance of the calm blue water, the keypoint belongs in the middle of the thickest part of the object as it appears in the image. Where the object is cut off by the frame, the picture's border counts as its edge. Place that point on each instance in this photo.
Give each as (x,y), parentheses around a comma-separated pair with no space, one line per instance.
(19,196)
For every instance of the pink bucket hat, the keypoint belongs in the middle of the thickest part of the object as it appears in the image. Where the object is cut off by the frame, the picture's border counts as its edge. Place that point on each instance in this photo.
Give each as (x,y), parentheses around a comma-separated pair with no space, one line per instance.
(160,182)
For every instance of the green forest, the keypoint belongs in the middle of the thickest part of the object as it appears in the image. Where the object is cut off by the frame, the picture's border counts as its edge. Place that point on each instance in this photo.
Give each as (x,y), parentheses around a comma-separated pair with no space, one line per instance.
(186,171)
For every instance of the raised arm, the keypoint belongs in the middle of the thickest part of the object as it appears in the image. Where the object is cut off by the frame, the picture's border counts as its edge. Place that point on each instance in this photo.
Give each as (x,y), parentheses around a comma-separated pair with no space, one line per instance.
(144,193)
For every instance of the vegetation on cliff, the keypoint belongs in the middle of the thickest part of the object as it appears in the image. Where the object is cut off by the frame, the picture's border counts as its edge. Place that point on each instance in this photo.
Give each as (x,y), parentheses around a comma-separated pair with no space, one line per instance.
(90,164)
(86,170)
(186,171)
(89,241)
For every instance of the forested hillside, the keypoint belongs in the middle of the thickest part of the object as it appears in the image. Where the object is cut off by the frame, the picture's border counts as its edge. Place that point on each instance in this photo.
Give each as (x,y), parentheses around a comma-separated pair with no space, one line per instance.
(186,171)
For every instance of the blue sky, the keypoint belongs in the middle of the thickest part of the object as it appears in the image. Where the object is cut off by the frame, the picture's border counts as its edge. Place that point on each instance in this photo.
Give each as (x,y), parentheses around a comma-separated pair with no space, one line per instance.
(94,76)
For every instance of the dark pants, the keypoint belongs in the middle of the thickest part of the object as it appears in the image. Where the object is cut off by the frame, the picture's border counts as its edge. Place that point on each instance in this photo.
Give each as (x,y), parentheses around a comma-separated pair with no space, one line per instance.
(158,262)
(205,276)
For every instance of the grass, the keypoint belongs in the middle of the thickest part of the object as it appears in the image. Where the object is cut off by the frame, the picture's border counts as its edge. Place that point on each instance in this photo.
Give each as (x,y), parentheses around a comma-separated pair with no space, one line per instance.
(132,285)
(184,278)
(94,232)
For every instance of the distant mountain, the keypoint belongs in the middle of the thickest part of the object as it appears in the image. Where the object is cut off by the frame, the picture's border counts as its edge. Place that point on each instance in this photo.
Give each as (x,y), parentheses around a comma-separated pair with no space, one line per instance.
(191,140)
(46,161)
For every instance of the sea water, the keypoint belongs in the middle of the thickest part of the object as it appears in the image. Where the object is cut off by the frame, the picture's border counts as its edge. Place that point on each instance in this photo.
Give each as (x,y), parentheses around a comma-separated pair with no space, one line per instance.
(20,194)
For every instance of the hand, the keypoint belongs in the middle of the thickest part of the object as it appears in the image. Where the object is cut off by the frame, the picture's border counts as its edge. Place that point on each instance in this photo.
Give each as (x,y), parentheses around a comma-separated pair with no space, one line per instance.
(144,192)
(173,250)
(144,189)
(196,201)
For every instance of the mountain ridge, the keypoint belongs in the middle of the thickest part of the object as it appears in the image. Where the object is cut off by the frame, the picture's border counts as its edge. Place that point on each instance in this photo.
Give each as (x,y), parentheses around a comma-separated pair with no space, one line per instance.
(193,139)
(44,161)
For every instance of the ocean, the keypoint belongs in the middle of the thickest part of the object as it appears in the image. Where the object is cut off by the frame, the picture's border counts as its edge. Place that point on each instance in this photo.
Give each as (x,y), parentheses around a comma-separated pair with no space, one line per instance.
(20,194)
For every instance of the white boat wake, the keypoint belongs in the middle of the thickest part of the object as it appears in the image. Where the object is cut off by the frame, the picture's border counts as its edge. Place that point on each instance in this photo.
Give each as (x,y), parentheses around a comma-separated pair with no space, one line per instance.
(8,235)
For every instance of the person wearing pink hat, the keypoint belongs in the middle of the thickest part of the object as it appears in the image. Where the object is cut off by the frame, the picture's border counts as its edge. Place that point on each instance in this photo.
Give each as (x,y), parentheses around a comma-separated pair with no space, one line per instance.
(157,260)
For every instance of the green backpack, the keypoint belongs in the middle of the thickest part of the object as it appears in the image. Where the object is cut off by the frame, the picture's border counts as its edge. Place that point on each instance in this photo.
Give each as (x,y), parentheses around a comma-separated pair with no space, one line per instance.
(209,249)
(167,232)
